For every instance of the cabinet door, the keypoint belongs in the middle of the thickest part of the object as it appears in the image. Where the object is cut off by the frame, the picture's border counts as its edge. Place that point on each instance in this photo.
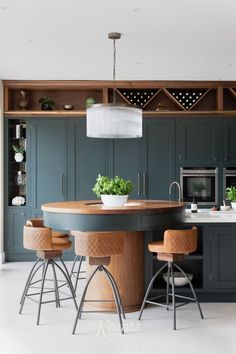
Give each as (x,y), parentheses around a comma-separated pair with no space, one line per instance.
(48,162)
(223,260)
(229,141)
(16,219)
(160,157)
(126,162)
(198,141)
(86,159)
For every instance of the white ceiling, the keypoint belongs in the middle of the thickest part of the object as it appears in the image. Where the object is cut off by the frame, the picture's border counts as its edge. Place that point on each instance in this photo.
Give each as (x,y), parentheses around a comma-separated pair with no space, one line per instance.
(162,39)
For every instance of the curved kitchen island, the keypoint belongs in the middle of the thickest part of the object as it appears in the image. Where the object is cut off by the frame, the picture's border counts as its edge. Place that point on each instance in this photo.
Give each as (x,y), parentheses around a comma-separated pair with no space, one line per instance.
(136,217)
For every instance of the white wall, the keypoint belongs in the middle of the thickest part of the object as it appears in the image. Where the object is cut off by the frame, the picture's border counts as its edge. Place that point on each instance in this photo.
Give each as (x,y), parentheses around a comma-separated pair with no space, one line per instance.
(2,254)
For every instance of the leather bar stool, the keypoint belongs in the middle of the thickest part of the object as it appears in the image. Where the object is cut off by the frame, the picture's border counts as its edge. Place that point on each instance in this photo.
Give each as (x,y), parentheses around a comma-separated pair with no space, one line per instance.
(48,248)
(99,247)
(175,245)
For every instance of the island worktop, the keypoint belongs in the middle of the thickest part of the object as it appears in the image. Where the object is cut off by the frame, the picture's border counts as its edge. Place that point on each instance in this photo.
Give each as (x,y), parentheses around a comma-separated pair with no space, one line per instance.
(92,215)
(97,207)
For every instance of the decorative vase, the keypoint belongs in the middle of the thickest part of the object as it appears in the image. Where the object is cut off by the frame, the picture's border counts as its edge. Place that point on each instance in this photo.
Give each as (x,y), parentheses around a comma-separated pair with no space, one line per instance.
(114,200)
(19,156)
(233,205)
(23,103)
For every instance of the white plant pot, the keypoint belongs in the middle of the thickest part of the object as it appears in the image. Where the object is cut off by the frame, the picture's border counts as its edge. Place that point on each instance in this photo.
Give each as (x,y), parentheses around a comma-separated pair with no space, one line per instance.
(114,200)
(233,205)
(19,156)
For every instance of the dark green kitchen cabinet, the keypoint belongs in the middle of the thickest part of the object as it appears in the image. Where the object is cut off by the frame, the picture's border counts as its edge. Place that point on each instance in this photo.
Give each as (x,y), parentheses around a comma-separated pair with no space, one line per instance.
(87,157)
(198,141)
(149,162)
(125,160)
(14,222)
(48,163)
(223,260)
(229,157)
(158,157)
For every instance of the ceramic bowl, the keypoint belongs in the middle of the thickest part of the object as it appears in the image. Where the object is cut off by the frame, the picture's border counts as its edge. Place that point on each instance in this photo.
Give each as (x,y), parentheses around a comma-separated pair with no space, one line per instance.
(68,107)
(179,279)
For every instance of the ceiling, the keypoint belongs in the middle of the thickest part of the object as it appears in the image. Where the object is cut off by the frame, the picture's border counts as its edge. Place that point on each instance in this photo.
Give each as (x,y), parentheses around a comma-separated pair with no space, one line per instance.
(161,39)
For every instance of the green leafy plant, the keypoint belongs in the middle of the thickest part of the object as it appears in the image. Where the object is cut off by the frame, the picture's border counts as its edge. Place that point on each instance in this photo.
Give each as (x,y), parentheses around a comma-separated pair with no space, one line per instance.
(112,186)
(18,149)
(47,100)
(231,193)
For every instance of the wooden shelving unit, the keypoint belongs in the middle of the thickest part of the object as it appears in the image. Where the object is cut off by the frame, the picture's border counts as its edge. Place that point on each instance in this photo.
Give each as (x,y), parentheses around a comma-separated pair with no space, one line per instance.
(154,97)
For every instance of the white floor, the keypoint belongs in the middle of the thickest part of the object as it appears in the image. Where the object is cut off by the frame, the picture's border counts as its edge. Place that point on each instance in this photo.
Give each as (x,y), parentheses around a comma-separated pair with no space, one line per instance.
(99,333)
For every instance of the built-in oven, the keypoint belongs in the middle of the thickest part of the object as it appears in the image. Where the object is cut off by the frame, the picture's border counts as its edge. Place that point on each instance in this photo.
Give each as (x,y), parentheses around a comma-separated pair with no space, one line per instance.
(229,178)
(200,184)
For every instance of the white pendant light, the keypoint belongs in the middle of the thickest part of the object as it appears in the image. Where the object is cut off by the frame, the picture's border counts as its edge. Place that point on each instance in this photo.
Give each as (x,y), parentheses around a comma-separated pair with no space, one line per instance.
(114,120)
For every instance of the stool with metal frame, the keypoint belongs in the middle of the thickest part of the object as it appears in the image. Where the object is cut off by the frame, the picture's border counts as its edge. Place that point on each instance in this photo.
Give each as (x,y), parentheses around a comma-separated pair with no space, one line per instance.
(99,247)
(39,238)
(176,244)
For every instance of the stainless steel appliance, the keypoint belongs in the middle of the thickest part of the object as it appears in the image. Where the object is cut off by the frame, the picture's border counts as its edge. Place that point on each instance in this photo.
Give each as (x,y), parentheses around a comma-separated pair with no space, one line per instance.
(200,184)
(229,178)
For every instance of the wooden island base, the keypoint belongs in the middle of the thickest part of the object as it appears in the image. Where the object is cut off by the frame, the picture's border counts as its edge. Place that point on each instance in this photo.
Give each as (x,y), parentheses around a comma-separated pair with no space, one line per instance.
(128,271)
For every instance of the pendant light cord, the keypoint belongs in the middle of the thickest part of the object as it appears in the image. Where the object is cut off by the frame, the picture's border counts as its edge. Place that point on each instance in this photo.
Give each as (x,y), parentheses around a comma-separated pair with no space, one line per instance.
(114,70)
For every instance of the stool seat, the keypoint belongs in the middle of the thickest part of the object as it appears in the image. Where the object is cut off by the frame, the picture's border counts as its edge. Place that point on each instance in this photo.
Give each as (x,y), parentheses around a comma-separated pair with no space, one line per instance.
(58,244)
(156,246)
(57,234)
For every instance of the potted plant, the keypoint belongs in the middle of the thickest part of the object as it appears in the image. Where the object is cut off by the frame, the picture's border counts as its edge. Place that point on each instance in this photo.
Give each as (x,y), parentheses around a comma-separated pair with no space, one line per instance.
(47,103)
(113,191)
(19,153)
(231,195)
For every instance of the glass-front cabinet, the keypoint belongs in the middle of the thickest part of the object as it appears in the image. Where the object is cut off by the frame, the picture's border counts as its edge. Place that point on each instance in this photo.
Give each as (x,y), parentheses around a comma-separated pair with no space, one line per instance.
(17,167)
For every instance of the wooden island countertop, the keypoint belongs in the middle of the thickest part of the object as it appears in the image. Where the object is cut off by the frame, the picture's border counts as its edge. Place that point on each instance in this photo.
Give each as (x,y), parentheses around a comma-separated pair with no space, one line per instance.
(96,207)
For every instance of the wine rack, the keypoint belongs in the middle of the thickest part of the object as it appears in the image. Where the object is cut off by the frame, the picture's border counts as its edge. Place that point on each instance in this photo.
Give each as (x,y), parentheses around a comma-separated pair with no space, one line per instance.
(188,98)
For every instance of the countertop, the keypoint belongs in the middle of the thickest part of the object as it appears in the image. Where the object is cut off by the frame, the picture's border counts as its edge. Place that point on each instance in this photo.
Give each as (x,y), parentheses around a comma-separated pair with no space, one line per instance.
(209,216)
(95,207)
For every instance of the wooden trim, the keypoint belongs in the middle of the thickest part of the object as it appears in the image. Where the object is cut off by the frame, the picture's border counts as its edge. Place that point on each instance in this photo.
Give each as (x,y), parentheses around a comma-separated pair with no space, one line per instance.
(220,99)
(6,99)
(70,84)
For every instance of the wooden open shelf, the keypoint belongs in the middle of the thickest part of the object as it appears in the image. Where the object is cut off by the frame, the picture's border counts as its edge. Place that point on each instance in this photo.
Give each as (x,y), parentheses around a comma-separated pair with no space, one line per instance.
(154,97)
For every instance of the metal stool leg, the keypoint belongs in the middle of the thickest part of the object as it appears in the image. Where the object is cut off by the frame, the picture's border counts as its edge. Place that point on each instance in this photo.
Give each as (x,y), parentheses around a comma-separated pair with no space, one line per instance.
(117,291)
(173,295)
(28,286)
(168,287)
(114,290)
(73,266)
(149,288)
(29,279)
(66,275)
(78,315)
(57,297)
(41,292)
(78,273)
(192,288)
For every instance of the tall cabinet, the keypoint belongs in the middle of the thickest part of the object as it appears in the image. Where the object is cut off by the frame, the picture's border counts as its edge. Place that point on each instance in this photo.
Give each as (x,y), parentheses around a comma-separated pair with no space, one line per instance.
(48,163)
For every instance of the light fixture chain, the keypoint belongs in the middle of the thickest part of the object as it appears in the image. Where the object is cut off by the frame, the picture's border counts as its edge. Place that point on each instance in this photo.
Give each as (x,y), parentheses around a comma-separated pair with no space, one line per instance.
(114,71)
